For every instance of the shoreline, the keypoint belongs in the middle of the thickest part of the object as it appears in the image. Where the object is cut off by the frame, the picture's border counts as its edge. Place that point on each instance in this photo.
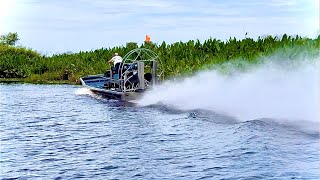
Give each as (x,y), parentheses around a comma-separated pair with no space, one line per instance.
(22,81)
(23,65)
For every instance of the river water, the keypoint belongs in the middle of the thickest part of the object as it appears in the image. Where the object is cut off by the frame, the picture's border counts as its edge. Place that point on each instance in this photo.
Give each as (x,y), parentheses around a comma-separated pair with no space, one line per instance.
(64,132)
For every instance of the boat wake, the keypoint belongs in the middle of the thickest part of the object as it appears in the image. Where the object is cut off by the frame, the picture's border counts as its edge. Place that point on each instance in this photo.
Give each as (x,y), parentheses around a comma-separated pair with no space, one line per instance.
(83,91)
(273,90)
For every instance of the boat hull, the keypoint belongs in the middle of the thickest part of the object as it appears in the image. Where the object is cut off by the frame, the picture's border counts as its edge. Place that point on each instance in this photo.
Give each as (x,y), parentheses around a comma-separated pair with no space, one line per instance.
(96,84)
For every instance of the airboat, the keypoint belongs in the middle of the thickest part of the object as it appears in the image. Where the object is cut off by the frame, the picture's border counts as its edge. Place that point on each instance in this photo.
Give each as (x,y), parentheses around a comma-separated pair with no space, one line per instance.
(140,70)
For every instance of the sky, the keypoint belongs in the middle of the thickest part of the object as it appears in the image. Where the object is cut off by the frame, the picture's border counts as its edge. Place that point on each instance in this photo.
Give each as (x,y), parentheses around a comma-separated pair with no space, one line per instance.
(57,26)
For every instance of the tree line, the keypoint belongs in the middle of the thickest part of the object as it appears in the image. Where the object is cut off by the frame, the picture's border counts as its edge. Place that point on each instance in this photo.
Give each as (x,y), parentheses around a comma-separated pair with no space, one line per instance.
(179,58)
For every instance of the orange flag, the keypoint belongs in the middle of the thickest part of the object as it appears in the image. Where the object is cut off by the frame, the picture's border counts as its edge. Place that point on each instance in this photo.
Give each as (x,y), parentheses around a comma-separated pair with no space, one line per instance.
(147,38)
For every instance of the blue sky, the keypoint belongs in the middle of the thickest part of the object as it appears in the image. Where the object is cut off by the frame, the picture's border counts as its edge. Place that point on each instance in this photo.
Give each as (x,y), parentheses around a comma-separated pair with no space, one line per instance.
(54,26)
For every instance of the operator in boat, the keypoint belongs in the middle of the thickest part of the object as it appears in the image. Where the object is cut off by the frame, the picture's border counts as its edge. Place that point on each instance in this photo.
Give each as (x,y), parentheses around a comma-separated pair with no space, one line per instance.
(116,60)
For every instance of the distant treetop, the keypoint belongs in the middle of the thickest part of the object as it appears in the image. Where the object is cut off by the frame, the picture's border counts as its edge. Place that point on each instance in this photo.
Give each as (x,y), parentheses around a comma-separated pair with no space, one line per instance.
(9,39)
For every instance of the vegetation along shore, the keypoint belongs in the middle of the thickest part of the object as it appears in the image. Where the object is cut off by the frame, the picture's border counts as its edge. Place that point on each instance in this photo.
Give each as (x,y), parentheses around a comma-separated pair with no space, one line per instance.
(20,64)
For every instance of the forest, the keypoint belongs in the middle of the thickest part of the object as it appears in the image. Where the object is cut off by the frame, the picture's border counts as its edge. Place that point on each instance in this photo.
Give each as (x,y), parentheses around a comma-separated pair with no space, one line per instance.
(178,59)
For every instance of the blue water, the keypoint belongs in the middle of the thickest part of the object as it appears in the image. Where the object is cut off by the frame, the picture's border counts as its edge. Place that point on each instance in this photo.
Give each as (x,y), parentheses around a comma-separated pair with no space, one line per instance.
(53,132)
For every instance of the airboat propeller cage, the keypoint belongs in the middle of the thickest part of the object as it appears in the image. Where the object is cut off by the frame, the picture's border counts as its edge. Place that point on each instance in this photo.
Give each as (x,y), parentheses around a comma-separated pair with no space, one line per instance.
(146,61)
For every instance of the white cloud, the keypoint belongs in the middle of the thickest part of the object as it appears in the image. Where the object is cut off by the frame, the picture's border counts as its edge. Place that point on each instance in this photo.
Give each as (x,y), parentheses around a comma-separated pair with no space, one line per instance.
(283,3)
(110,23)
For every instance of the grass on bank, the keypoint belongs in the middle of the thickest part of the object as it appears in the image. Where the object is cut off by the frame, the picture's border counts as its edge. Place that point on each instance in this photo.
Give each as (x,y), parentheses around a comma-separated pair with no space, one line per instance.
(180,58)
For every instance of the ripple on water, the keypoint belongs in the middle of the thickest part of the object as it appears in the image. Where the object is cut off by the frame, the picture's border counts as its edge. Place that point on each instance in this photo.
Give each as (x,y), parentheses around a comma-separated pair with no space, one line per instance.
(49,132)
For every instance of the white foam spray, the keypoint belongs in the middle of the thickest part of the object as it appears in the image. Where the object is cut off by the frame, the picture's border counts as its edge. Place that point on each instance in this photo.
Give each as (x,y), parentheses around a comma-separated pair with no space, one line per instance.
(269,91)
(83,91)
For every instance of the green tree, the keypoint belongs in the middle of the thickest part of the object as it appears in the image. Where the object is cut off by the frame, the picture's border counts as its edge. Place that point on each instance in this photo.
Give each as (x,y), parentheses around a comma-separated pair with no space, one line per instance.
(131,45)
(9,39)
